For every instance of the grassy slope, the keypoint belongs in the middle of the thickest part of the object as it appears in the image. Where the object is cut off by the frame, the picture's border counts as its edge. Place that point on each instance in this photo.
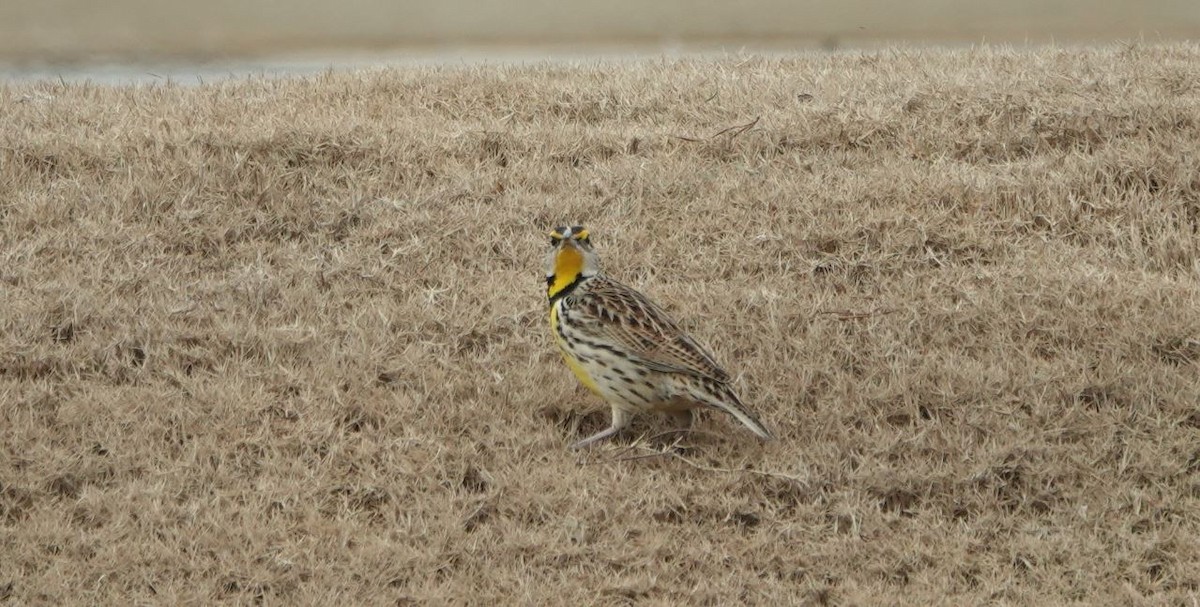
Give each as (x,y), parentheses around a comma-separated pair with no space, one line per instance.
(286,339)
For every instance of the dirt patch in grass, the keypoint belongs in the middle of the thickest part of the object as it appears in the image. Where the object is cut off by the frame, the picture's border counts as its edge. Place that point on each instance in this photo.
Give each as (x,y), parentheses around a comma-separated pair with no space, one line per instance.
(284,341)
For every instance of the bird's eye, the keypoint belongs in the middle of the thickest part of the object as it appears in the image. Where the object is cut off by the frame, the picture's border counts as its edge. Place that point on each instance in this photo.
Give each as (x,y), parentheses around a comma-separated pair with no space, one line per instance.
(553,240)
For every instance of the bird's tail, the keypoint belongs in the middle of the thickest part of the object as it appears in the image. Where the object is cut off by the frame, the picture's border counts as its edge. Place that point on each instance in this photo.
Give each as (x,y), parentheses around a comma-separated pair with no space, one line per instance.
(719,395)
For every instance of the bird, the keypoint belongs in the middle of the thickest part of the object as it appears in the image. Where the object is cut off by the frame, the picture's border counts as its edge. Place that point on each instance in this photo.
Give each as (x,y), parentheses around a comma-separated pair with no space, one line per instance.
(624,348)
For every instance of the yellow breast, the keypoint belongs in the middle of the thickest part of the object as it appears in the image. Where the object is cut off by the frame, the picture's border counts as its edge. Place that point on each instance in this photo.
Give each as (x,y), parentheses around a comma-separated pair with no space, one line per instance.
(570,359)
(567,266)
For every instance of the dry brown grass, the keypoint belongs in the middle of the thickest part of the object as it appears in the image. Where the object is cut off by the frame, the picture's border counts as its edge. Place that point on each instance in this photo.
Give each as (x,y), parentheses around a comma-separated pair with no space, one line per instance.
(283,341)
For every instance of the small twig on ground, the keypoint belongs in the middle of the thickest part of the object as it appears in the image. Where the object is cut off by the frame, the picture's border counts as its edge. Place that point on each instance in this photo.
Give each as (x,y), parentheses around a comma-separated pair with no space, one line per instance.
(766,473)
(737,129)
(634,458)
(852,315)
(620,455)
(669,452)
(665,450)
(684,431)
(623,457)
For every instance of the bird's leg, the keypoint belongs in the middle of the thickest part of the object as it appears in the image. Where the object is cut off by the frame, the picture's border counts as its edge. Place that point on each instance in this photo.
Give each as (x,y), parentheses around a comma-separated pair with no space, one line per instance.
(620,420)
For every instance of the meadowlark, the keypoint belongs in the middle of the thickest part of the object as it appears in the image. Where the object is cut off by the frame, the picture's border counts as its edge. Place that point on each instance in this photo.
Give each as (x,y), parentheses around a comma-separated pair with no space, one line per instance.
(625,348)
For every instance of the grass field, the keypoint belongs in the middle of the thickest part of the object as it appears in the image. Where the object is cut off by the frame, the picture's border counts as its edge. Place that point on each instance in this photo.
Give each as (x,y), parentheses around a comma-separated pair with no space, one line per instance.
(284,341)
(87,31)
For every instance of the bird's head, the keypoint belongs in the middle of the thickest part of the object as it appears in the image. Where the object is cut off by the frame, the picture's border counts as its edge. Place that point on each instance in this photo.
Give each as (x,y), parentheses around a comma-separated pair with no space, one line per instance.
(571,260)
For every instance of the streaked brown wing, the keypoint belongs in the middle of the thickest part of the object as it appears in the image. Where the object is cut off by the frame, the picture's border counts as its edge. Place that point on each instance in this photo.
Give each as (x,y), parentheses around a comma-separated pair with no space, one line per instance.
(613,312)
